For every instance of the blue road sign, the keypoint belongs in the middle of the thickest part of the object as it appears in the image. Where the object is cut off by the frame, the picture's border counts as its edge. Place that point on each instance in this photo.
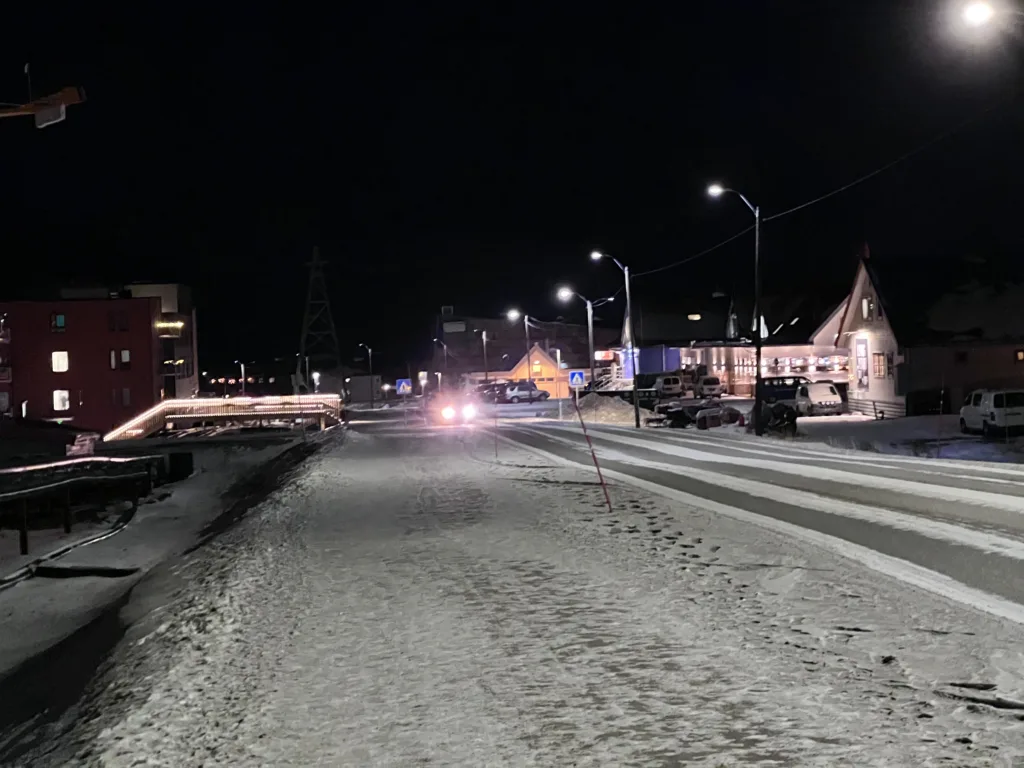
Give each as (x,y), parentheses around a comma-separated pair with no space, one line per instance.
(576,378)
(403,386)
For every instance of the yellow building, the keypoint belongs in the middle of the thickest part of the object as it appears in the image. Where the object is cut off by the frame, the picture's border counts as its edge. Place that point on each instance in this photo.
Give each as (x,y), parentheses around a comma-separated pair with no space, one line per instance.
(543,369)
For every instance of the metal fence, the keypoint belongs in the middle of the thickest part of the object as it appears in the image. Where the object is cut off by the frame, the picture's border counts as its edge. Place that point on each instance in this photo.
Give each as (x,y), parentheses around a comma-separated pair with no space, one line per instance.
(37,489)
(317,407)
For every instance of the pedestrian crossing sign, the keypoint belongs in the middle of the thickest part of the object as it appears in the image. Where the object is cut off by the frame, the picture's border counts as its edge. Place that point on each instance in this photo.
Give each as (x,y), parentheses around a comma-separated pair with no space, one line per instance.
(576,379)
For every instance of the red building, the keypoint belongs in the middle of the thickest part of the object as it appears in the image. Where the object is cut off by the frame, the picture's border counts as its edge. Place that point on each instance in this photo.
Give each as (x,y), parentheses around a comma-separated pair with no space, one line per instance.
(95,362)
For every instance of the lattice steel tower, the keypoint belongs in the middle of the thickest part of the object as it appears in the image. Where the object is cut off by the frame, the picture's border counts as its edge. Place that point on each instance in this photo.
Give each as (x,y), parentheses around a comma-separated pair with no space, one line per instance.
(319,340)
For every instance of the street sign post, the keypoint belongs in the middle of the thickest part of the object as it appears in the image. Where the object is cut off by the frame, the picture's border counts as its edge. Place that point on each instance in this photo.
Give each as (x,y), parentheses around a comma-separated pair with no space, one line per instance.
(403,386)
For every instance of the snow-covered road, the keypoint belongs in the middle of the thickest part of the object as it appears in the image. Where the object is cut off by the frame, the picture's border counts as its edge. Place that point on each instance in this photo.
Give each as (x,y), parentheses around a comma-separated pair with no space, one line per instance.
(411,599)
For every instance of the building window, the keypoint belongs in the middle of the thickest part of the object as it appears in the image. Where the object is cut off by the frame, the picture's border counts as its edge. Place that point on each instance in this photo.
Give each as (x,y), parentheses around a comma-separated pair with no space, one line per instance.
(113,359)
(57,322)
(1019,355)
(61,400)
(878,366)
(59,362)
(867,308)
(124,359)
(126,396)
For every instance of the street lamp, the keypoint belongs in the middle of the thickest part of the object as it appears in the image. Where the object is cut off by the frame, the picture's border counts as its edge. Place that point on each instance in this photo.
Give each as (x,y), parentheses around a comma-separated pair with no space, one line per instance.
(445,346)
(565,293)
(717,190)
(513,316)
(978,14)
(633,357)
(483,338)
(239,362)
(369,352)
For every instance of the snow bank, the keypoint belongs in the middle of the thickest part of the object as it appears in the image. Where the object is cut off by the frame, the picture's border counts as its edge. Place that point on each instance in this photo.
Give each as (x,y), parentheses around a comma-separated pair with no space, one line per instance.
(38,613)
(601,409)
(931,436)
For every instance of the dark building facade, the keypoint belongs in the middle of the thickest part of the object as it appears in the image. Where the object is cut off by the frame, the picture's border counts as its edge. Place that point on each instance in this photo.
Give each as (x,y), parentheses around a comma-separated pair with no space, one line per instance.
(94,359)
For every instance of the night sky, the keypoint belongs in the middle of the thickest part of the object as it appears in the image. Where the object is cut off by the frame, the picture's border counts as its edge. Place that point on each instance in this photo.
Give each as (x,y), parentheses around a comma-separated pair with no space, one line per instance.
(474,155)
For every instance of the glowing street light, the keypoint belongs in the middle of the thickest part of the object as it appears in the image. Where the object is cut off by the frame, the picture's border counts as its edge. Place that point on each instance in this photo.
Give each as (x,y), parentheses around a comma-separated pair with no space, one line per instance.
(513,316)
(565,293)
(978,14)
(634,357)
(716,191)
(369,354)
(445,347)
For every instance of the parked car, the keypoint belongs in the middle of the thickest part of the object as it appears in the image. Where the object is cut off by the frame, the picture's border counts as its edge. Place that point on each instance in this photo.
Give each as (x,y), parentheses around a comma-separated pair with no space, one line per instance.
(669,385)
(992,411)
(709,386)
(781,388)
(518,391)
(490,393)
(818,399)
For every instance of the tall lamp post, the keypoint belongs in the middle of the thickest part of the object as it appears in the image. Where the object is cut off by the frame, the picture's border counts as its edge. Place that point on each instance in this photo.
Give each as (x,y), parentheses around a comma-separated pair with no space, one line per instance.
(717,190)
(566,293)
(445,347)
(633,355)
(239,362)
(369,352)
(513,315)
(483,338)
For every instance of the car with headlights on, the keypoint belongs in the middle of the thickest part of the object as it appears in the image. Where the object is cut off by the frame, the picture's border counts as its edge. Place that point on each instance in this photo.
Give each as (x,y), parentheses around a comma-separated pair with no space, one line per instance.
(452,409)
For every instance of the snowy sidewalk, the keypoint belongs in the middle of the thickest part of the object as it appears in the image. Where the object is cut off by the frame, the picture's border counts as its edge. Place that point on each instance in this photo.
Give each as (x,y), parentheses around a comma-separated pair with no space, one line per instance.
(417,601)
(40,612)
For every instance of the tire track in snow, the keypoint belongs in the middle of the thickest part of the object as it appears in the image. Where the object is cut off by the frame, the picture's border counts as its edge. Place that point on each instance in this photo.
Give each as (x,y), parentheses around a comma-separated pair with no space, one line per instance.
(900,569)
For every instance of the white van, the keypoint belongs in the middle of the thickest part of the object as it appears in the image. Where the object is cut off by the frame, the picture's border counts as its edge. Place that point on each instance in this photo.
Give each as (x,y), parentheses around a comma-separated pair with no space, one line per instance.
(991,411)
(669,386)
(818,399)
(709,386)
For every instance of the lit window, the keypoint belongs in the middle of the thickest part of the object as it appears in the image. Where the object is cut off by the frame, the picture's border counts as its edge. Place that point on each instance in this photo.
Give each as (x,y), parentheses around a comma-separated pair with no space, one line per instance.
(126,359)
(693,317)
(113,360)
(1019,355)
(57,322)
(61,400)
(878,365)
(58,362)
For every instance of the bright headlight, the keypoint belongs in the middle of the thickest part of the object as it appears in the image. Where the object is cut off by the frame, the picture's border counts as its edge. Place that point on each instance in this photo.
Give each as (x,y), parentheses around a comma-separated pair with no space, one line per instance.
(448,413)
(468,411)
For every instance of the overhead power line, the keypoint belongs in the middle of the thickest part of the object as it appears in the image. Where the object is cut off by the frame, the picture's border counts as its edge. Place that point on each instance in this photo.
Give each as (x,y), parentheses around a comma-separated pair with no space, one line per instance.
(860,180)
